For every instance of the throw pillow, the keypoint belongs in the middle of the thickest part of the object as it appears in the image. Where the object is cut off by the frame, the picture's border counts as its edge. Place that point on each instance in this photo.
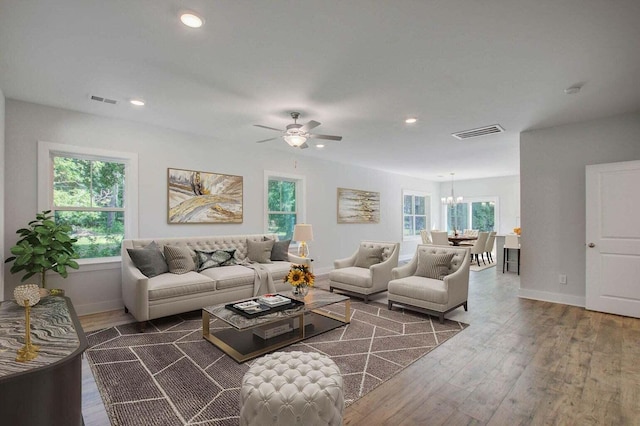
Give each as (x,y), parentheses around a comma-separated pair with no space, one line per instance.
(149,260)
(215,258)
(259,251)
(434,265)
(280,250)
(179,259)
(368,256)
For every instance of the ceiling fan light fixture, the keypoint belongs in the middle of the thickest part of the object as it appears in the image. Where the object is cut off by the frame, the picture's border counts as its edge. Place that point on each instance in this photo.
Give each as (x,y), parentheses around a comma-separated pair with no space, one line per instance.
(295,140)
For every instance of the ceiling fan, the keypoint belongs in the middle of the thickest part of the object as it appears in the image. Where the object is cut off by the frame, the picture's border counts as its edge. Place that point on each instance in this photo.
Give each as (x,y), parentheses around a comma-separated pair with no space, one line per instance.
(296,135)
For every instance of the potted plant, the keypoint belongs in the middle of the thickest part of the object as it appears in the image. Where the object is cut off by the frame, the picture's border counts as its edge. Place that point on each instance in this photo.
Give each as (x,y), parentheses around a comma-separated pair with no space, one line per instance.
(44,245)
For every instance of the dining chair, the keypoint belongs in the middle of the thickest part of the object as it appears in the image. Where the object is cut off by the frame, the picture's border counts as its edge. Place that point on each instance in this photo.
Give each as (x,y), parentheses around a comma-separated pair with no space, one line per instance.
(511,242)
(439,238)
(426,236)
(489,247)
(478,247)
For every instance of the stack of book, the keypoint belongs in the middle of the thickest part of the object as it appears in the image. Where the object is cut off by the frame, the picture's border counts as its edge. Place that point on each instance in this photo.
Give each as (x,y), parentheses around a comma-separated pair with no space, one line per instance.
(273,300)
(273,330)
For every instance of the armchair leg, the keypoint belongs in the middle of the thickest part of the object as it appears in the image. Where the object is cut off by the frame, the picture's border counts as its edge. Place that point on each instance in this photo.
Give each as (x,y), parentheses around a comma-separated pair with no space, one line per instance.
(366,298)
(331,289)
(142,326)
(390,305)
(441,317)
(126,310)
(465,306)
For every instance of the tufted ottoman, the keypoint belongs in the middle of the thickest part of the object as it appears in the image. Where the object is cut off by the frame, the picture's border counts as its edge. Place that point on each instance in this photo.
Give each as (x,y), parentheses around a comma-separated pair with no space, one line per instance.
(292,388)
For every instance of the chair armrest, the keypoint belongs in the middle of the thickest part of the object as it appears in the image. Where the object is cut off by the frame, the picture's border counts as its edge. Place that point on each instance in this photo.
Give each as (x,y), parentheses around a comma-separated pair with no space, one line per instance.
(381,272)
(346,262)
(405,270)
(300,260)
(457,284)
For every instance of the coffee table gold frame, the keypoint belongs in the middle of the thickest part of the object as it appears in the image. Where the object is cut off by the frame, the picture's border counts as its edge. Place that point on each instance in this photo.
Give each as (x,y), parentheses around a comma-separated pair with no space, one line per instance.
(271,344)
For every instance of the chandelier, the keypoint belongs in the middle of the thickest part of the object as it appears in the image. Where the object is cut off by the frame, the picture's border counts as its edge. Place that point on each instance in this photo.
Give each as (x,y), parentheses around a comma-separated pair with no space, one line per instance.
(451,200)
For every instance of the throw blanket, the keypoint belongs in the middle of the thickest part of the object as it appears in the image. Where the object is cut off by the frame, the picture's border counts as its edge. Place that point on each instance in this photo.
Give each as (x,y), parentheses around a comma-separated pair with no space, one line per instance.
(263,281)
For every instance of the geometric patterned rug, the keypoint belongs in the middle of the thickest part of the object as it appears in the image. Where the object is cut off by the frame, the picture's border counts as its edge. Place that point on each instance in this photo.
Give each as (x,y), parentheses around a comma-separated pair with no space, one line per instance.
(170,375)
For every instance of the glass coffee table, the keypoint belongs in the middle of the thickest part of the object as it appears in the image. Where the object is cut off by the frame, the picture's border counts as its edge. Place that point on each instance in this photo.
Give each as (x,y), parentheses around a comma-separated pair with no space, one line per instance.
(249,338)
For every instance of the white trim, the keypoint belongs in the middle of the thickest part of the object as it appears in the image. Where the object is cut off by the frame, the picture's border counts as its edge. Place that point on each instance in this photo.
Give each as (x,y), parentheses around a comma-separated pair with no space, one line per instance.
(301,197)
(130,160)
(547,296)
(94,308)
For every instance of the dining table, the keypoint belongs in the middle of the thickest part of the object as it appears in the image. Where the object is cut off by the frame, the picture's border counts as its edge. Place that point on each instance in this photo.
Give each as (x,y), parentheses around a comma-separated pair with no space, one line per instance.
(457,239)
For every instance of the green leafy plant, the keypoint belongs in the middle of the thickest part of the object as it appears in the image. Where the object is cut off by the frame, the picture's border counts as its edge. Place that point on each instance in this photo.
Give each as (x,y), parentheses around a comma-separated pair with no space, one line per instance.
(44,245)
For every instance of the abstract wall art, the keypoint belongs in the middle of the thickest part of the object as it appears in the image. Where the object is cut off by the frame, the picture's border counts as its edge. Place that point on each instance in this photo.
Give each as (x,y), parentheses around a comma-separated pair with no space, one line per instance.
(356,206)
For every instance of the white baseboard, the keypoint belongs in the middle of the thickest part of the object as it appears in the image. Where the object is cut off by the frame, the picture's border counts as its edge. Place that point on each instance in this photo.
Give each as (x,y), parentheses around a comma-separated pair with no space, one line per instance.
(94,308)
(547,296)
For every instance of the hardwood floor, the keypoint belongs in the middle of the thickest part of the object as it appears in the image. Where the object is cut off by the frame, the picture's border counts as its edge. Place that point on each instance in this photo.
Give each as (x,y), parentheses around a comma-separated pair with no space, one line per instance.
(519,362)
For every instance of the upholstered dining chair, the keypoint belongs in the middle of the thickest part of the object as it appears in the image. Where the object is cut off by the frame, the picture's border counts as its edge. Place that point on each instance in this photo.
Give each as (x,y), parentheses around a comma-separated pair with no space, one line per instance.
(511,242)
(489,246)
(426,236)
(479,246)
(439,238)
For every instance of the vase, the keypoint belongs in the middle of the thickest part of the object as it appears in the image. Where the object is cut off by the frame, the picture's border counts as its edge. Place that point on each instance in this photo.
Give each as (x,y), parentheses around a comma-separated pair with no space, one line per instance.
(301,290)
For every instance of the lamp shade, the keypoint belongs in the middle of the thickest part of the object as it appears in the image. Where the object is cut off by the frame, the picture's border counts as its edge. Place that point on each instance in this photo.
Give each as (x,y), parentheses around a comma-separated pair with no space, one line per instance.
(303,232)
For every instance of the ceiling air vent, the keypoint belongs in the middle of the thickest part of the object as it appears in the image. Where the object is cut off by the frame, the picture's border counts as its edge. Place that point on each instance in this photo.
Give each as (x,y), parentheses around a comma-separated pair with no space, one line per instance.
(480,131)
(104,100)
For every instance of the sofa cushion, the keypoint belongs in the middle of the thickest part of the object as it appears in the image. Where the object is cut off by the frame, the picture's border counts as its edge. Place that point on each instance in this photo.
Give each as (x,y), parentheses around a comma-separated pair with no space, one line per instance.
(368,256)
(280,250)
(420,288)
(168,286)
(179,259)
(435,266)
(230,276)
(353,275)
(213,259)
(259,251)
(149,260)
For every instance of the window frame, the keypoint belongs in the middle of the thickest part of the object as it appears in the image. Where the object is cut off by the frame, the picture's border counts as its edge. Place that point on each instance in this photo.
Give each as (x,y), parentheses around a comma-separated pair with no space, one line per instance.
(469,201)
(428,215)
(301,186)
(47,151)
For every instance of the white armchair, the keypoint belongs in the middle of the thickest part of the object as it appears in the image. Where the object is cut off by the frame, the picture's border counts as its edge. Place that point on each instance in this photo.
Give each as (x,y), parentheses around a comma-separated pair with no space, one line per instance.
(367,271)
(433,296)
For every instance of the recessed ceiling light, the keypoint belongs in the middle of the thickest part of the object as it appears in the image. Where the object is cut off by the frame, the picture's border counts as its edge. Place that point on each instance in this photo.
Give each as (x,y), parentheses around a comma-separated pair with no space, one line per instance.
(320,145)
(410,120)
(191,19)
(137,102)
(573,89)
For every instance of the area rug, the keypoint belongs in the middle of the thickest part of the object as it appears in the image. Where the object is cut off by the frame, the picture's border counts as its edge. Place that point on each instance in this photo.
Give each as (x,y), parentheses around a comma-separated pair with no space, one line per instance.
(170,375)
(482,267)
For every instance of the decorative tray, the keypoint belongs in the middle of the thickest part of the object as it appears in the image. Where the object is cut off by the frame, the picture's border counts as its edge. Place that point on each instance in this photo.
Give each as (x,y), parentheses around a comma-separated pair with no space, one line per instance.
(253,308)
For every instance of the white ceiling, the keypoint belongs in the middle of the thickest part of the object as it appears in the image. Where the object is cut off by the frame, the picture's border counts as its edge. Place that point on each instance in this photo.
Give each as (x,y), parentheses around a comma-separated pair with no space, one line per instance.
(360,67)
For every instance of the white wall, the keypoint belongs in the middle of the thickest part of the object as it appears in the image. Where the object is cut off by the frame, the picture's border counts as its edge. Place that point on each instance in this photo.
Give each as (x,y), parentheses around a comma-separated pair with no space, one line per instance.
(506,189)
(552,176)
(2,252)
(159,149)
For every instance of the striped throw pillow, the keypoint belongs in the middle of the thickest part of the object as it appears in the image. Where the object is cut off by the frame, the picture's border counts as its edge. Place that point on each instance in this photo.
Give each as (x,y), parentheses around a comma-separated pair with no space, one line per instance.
(434,265)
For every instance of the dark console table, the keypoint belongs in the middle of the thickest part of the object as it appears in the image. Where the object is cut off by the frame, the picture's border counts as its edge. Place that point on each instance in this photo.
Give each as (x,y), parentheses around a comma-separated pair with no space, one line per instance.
(48,389)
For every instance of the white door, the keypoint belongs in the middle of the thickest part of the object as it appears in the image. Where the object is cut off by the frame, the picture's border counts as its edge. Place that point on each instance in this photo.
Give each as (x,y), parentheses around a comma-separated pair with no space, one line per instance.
(613,238)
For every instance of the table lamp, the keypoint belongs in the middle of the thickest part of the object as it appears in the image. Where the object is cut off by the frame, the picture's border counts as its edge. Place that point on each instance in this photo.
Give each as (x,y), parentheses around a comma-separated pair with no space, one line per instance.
(303,233)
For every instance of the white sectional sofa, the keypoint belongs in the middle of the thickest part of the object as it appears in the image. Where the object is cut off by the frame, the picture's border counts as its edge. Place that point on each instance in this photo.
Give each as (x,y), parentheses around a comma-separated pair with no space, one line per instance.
(168,293)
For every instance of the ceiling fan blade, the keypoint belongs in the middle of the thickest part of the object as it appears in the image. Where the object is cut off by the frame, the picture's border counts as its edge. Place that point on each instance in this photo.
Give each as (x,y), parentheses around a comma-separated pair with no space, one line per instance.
(266,140)
(328,137)
(310,125)
(267,127)
(304,146)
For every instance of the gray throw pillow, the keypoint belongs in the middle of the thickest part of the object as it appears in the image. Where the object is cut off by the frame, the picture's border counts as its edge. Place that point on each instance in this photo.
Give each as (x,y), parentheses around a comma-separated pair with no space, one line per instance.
(179,259)
(259,251)
(215,258)
(436,266)
(149,260)
(368,256)
(280,250)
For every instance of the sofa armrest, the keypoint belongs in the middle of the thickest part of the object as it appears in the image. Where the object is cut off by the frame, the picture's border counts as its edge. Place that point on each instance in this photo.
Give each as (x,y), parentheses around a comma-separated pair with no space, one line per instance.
(457,284)
(300,260)
(346,262)
(135,288)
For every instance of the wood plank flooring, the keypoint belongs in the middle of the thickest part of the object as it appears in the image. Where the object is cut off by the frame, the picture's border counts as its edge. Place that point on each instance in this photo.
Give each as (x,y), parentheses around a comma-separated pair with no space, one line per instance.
(520,362)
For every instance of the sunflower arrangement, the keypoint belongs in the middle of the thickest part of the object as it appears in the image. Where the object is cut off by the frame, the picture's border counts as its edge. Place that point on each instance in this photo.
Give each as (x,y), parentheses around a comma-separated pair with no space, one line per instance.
(300,276)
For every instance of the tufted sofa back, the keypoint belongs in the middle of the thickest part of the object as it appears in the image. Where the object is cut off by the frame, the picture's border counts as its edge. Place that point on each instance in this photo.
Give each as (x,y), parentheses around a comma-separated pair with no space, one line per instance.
(388,249)
(459,254)
(218,242)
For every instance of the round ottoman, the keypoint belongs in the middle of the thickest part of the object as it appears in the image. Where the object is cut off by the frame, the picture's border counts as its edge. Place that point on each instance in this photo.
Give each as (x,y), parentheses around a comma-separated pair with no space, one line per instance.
(291,388)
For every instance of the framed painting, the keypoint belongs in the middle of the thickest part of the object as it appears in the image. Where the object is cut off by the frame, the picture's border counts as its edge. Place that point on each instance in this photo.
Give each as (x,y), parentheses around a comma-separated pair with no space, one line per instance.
(203,197)
(356,206)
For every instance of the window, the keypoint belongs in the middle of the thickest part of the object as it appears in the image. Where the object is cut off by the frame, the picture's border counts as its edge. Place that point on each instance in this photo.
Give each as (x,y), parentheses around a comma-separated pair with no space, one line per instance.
(284,204)
(474,213)
(416,208)
(90,191)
